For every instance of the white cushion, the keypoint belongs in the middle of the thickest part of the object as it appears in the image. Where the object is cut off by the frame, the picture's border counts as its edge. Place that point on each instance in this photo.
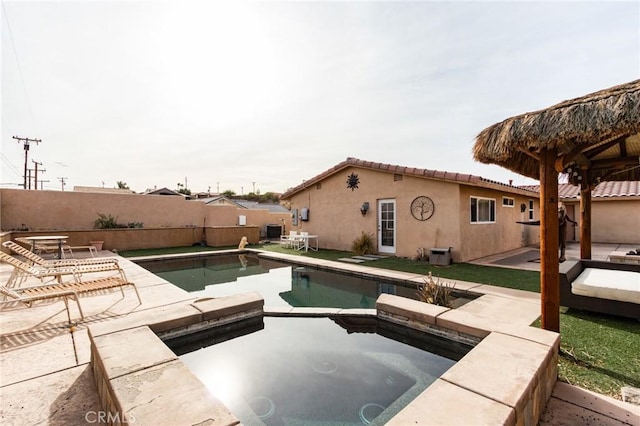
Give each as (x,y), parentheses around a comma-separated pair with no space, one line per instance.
(608,284)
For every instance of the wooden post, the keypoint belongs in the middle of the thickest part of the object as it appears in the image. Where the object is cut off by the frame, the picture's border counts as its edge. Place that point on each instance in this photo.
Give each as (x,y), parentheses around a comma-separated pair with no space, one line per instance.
(549,240)
(585,219)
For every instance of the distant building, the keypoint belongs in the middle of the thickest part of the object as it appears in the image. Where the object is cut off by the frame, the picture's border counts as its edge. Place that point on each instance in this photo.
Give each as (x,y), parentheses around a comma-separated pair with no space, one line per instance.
(166,191)
(101,190)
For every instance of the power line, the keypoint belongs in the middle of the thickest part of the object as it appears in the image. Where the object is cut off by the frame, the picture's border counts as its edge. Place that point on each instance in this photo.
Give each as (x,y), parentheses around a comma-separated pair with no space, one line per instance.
(24,85)
(13,168)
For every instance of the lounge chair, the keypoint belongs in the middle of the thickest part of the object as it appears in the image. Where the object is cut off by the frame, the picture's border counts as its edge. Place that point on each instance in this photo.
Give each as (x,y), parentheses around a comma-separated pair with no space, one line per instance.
(22,270)
(28,295)
(38,260)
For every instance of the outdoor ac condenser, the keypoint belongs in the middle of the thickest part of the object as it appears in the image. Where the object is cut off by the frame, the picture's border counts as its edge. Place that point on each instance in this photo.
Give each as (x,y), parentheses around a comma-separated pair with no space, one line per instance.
(440,256)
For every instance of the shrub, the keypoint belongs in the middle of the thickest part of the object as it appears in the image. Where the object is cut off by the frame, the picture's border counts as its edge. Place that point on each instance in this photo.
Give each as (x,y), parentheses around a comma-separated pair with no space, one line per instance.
(109,222)
(435,292)
(363,244)
(105,222)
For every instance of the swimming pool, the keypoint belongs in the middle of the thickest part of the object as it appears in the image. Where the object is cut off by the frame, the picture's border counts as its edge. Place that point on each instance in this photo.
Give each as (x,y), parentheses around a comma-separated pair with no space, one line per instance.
(338,370)
(281,284)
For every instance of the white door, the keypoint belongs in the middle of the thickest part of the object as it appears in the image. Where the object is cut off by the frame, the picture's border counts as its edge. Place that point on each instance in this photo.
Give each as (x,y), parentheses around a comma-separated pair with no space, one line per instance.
(387,226)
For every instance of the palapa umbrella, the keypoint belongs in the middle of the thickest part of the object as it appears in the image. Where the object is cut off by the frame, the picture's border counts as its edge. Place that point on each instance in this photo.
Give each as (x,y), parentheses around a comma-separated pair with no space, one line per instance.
(590,139)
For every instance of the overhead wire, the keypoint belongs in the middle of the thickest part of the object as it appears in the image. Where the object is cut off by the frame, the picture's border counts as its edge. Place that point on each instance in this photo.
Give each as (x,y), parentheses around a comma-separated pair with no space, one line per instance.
(15,52)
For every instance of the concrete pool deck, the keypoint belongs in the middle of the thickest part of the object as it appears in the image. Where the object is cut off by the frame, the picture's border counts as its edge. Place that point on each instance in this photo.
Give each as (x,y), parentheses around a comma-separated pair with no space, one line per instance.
(45,376)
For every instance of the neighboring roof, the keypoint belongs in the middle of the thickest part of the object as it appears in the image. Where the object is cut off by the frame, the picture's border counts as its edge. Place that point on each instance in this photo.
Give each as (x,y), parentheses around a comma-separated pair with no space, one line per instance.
(102,190)
(461,178)
(163,191)
(273,208)
(613,189)
(244,204)
(220,199)
(599,132)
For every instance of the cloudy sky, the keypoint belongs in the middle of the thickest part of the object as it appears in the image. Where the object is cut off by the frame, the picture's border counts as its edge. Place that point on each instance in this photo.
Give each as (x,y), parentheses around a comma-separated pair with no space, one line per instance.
(239,96)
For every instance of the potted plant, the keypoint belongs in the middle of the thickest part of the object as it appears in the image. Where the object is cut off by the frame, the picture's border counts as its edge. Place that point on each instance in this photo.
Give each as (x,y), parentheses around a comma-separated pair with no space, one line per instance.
(97,244)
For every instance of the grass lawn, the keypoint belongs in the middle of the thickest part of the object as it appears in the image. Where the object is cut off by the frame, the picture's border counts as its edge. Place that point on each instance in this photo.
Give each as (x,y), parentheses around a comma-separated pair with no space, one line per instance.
(598,352)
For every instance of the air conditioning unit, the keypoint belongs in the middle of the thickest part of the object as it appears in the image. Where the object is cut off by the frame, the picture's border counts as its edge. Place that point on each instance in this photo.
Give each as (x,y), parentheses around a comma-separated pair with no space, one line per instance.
(440,256)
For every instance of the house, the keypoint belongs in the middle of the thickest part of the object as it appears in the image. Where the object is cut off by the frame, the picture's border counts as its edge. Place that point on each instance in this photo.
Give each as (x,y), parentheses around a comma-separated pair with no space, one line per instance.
(165,191)
(243,204)
(407,210)
(101,190)
(615,211)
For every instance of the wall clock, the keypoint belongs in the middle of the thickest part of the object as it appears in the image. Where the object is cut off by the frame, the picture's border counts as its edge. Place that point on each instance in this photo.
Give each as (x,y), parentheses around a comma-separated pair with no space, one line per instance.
(422,208)
(352,181)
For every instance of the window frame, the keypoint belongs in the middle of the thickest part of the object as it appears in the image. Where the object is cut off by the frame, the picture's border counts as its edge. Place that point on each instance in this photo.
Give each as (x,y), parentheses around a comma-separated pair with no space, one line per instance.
(492,210)
(512,202)
(531,209)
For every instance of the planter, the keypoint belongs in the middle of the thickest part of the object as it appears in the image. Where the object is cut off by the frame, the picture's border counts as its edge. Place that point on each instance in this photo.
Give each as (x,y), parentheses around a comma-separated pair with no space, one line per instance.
(97,244)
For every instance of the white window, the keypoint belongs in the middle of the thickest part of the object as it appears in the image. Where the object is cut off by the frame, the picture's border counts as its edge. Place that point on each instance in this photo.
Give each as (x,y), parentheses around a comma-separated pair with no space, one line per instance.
(530,209)
(483,210)
(508,202)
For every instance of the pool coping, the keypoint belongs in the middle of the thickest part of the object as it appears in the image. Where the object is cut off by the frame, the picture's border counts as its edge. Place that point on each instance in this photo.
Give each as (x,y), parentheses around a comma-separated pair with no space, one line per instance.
(507,377)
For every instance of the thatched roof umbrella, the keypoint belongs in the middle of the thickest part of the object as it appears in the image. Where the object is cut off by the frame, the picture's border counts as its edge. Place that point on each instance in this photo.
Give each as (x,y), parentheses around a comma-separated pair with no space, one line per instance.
(591,139)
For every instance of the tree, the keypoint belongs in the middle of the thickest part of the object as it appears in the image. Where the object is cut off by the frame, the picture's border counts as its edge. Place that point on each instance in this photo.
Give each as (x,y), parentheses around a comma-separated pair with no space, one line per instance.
(182,189)
(122,185)
(229,193)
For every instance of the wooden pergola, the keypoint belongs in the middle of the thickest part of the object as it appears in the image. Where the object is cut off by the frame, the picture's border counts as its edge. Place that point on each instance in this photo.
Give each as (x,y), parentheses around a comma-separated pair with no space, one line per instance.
(589,139)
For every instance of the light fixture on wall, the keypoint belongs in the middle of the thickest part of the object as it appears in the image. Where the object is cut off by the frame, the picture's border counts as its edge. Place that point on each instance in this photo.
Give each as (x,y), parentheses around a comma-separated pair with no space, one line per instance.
(364,208)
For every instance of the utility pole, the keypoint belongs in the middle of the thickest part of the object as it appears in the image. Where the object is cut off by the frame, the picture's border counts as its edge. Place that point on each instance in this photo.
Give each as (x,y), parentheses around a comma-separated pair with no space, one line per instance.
(41,184)
(26,142)
(62,179)
(35,178)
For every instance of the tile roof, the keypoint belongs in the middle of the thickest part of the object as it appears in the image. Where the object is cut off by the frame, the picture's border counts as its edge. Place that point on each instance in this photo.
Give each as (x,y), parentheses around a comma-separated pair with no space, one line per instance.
(461,178)
(607,189)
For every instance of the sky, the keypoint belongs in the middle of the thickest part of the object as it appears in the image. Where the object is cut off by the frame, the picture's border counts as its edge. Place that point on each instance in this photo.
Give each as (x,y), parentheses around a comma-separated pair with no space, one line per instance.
(260,96)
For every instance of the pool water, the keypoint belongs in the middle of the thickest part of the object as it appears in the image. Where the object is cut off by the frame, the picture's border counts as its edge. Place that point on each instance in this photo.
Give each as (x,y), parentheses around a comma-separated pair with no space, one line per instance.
(280,284)
(329,371)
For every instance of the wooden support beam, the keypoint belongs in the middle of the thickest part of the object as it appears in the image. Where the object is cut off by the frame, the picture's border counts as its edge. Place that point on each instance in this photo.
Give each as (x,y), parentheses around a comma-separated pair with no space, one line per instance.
(585,218)
(549,240)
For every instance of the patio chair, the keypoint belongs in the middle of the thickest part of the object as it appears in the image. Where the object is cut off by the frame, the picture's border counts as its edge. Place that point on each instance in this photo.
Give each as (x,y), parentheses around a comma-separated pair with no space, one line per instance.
(291,240)
(28,295)
(22,270)
(38,260)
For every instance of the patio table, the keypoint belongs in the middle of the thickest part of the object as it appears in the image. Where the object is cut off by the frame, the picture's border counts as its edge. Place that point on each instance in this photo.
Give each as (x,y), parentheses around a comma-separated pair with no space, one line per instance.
(59,239)
(305,239)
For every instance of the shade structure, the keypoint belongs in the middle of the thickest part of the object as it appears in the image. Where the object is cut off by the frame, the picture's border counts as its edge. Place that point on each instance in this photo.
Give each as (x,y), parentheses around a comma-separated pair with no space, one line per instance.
(590,139)
(598,133)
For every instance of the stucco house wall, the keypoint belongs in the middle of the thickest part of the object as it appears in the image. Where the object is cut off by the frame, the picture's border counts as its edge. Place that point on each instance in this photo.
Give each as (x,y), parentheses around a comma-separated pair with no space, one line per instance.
(334,211)
(484,239)
(612,220)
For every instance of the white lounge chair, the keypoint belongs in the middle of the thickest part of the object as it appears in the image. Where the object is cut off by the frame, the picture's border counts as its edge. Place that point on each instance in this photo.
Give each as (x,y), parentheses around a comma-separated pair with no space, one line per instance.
(38,260)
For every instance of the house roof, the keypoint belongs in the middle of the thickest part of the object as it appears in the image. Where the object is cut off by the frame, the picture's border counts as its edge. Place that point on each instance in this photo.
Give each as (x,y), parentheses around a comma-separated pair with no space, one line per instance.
(609,189)
(244,204)
(460,178)
(274,208)
(102,190)
(597,134)
(220,199)
(164,191)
